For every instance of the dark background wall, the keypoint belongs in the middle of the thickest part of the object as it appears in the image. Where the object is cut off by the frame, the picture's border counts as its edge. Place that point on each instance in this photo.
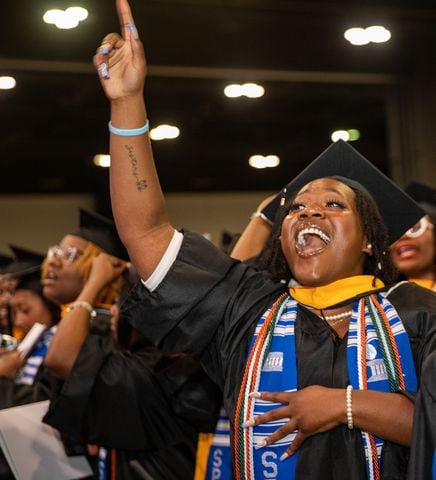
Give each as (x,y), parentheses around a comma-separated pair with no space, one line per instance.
(55,120)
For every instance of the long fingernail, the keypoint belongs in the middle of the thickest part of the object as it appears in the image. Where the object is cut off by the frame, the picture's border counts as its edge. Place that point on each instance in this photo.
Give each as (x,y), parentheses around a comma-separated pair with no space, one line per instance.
(103,71)
(105,50)
(134,30)
(254,395)
(260,444)
(248,423)
(284,456)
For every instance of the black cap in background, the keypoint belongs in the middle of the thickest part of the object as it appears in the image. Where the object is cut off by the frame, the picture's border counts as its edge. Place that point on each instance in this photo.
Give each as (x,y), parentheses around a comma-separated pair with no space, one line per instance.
(30,281)
(5,260)
(424,195)
(25,261)
(102,232)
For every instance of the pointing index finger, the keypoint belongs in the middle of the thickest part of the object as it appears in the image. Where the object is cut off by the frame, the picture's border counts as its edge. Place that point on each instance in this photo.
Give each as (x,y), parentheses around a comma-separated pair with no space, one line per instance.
(125,17)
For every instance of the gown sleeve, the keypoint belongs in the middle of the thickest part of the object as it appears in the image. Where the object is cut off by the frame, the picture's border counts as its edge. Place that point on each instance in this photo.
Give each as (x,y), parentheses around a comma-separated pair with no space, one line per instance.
(207,306)
(132,400)
(12,394)
(204,291)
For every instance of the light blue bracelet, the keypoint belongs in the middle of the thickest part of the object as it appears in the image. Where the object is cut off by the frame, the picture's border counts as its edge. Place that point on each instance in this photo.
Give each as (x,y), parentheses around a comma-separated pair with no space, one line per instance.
(129,132)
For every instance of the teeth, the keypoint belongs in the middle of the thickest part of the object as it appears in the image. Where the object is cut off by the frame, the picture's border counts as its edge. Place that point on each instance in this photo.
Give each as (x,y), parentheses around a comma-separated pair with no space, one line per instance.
(405,249)
(311,231)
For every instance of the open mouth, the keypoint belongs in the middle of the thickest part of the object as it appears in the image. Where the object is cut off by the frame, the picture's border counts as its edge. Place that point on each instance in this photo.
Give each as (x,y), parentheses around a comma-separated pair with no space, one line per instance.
(310,240)
(49,278)
(406,251)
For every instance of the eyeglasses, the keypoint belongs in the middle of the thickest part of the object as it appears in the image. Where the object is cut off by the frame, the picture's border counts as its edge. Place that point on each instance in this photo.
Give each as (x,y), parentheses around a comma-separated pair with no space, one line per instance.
(419,228)
(69,254)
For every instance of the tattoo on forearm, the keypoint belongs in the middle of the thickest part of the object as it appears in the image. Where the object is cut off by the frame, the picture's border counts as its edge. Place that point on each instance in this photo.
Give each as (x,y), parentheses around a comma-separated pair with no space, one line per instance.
(141,184)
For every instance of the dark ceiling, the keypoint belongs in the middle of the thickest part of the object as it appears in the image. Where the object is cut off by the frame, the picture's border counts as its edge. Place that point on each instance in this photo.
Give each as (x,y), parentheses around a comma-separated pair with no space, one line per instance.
(55,120)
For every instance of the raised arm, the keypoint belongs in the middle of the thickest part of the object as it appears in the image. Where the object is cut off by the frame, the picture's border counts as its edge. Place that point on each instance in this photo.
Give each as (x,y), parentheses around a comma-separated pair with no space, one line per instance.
(74,326)
(255,234)
(137,199)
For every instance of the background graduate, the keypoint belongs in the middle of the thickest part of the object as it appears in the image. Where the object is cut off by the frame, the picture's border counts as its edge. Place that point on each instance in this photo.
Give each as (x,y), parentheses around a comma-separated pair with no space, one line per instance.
(414,254)
(141,408)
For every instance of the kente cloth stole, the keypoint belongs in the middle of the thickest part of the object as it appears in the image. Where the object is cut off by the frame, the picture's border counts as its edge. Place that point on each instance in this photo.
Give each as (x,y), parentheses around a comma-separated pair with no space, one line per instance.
(102,458)
(219,463)
(379,357)
(27,374)
(107,463)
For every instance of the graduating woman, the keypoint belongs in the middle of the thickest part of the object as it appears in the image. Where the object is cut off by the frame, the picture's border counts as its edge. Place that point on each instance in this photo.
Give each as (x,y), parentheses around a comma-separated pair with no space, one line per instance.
(319,379)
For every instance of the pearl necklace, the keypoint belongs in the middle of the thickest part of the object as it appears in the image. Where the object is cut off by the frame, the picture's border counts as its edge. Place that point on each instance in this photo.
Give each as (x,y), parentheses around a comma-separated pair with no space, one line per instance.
(339,317)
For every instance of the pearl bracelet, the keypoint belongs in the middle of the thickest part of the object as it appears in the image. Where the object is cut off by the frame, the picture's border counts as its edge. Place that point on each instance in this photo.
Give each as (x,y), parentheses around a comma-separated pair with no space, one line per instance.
(80,303)
(349,406)
(129,132)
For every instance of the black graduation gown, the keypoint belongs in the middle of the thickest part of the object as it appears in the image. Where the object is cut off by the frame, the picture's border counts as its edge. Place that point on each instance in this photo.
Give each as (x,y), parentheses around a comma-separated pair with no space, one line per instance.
(146,406)
(208,305)
(423,446)
(12,395)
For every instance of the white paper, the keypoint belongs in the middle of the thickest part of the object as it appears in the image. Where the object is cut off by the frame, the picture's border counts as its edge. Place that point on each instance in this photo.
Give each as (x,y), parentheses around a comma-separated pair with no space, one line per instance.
(33,335)
(33,449)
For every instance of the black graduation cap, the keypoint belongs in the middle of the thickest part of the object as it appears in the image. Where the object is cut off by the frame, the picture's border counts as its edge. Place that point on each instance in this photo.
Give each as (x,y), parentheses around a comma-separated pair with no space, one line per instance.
(25,261)
(30,281)
(424,195)
(342,161)
(5,260)
(101,230)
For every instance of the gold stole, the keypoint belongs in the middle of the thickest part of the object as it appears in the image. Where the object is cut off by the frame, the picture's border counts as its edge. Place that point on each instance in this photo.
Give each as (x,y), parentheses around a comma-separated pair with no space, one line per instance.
(326,296)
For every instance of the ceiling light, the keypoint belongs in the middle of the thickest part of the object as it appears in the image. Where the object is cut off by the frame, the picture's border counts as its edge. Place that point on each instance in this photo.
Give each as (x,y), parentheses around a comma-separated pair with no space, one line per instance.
(350,135)
(340,135)
(233,91)
(65,19)
(252,90)
(66,22)
(102,160)
(52,16)
(164,132)
(249,90)
(357,36)
(7,83)
(378,34)
(354,134)
(264,161)
(77,12)
(363,36)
